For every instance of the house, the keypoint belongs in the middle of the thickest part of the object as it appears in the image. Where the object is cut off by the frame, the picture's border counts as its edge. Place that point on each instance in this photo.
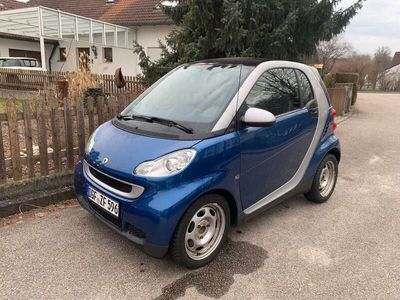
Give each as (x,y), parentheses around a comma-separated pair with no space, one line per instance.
(67,35)
(389,80)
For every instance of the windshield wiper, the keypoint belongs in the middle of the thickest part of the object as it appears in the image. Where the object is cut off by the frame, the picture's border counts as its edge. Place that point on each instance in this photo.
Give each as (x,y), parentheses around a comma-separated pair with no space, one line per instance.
(171,123)
(166,122)
(134,117)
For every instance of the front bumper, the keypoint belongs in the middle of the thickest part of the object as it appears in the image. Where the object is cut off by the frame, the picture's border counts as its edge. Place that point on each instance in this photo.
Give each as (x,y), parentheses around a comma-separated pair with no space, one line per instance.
(150,220)
(149,228)
(151,249)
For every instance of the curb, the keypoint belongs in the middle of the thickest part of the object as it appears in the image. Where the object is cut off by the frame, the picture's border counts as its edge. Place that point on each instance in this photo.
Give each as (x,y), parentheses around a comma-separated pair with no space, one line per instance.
(35,200)
(345,118)
(31,193)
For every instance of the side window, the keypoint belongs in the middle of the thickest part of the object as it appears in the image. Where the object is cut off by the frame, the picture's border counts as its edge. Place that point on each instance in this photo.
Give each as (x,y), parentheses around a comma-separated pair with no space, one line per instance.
(277,91)
(306,91)
(307,95)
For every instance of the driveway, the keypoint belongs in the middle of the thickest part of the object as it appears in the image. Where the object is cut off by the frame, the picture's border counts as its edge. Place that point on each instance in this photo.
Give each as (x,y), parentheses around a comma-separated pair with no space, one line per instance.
(348,248)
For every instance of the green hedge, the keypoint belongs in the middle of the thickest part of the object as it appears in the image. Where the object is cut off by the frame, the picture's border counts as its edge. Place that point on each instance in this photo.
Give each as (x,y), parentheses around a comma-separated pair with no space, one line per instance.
(329,80)
(349,78)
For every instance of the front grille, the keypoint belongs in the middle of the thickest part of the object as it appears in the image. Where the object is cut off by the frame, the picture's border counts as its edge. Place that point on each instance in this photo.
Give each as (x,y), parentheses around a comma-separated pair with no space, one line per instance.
(116,184)
(104,214)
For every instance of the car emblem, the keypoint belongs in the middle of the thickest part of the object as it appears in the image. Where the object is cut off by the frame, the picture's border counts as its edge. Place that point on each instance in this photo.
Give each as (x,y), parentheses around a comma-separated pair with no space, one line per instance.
(104,161)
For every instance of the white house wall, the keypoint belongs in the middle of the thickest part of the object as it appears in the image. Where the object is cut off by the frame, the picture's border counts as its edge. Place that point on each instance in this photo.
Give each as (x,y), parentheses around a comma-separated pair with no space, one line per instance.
(7,44)
(122,57)
(148,36)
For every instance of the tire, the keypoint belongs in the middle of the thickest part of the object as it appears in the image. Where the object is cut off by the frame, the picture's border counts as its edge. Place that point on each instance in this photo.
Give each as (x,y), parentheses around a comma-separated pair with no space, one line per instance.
(319,192)
(206,222)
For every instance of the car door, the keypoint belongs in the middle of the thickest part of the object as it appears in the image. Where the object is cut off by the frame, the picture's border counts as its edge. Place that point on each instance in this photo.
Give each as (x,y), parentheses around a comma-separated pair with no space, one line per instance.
(270,156)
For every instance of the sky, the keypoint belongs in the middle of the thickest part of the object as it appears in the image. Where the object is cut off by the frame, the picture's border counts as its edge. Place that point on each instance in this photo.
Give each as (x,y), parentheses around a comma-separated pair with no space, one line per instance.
(377,24)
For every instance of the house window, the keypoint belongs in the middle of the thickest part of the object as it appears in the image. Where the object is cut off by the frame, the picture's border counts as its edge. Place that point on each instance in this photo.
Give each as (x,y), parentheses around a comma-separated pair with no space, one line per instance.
(62,54)
(108,55)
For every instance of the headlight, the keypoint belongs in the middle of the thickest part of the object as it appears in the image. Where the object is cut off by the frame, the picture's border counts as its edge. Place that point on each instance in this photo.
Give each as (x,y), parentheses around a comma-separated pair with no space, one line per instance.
(90,142)
(166,165)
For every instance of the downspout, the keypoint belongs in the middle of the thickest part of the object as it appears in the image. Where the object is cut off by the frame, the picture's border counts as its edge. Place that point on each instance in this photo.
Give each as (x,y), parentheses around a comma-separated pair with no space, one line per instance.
(55,45)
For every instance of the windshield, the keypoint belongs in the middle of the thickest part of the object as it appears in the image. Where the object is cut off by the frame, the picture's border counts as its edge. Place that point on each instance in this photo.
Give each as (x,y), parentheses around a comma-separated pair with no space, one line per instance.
(194,95)
(10,63)
(18,62)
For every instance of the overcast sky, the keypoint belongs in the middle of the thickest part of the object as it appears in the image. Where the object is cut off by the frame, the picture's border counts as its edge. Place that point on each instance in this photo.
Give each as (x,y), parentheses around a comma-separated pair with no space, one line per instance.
(377,24)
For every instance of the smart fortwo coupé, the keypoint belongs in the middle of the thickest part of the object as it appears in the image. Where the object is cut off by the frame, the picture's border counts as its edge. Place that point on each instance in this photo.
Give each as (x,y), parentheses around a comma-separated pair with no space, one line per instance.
(206,147)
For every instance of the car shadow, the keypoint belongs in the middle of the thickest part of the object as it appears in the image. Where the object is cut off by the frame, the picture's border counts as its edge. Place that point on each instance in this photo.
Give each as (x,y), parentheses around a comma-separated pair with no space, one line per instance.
(213,280)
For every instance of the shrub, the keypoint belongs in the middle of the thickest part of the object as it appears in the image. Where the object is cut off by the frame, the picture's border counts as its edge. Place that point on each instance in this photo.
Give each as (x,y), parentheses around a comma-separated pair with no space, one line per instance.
(94,93)
(329,80)
(79,82)
(349,78)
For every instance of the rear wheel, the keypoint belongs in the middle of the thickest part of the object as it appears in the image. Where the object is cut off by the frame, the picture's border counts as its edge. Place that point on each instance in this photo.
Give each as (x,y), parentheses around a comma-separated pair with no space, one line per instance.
(324,181)
(201,232)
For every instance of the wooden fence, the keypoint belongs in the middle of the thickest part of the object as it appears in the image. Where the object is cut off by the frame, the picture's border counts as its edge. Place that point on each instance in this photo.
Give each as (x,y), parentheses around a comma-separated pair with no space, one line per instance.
(45,135)
(41,80)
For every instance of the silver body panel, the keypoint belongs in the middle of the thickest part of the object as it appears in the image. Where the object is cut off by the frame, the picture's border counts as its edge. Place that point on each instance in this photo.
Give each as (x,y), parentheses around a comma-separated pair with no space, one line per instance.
(323,106)
(135,192)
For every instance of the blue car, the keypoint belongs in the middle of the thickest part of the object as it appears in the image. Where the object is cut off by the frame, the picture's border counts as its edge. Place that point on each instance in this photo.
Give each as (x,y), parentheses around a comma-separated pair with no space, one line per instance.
(206,147)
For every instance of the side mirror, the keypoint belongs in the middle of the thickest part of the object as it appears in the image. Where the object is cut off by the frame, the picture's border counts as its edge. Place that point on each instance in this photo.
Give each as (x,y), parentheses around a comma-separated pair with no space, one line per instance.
(257,117)
(119,79)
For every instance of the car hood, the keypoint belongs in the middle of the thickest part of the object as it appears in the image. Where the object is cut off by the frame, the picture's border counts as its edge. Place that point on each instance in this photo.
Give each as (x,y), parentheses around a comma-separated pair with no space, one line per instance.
(118,152)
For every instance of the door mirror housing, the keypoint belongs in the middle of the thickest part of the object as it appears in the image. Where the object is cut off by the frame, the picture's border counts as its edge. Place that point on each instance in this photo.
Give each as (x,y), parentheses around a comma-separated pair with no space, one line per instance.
(257,117)
(119,79)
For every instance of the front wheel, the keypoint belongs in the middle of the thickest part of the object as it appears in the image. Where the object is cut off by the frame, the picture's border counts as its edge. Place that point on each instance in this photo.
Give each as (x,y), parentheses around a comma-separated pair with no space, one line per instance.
(201,232)
(324,181)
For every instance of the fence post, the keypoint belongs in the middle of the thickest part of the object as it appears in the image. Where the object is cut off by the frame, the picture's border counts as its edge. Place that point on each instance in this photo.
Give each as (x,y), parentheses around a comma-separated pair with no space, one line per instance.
(121,103)
(112,106)
(55,129)
(80,120)
(14,139)
(42,131)
(100,110)
(90,114)
(28,137)
(3,174)
(69,144)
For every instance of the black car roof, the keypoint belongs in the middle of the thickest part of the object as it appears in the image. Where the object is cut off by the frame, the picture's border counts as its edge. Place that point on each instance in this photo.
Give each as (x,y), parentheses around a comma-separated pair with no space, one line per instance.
(247,61)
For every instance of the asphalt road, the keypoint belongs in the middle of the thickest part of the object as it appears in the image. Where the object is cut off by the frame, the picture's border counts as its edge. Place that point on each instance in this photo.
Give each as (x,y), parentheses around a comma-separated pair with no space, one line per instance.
(348,248)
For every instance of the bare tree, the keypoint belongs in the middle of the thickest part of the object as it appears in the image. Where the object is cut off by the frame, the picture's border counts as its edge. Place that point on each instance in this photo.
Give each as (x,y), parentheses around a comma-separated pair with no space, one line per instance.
(356,63)
(382,61)
(329,52)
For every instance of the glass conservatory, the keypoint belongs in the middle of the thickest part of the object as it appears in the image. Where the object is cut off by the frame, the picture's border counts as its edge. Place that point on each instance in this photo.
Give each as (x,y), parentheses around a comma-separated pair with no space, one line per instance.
(41,23)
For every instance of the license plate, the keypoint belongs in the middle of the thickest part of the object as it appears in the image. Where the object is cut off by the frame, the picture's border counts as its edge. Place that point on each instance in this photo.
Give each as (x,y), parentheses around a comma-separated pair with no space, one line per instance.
(104,202)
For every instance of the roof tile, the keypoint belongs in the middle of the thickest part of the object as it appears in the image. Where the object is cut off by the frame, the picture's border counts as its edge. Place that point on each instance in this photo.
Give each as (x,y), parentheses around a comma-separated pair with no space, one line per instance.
(396,59)
(11,4)
(122,12)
